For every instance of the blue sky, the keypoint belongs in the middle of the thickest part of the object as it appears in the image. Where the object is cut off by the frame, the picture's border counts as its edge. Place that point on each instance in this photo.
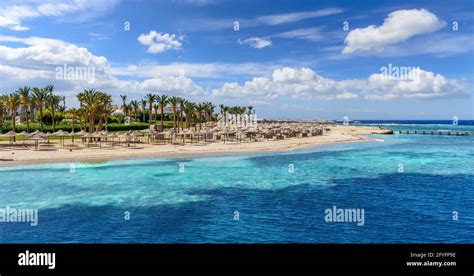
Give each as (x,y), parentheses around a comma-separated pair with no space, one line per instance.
(289,59)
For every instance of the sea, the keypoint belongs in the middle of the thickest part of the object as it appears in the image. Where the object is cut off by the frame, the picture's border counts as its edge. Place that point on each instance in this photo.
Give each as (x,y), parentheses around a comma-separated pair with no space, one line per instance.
(393,189)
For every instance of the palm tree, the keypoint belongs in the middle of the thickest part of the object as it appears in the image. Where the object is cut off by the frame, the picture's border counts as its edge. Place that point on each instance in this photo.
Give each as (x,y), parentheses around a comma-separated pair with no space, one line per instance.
(24,93)
(174,105)
(226,111)
(91,102)
(2,108)
(150,99)
(82,116)
(143,109)
(135,107)
(156,107)
(182,102)
(162,102)
(200,108)
(39,100)
(12,102)
(250,109)
(208,111)
(52,102)
(104,109)
(73,112)
(189,110)
(124,103)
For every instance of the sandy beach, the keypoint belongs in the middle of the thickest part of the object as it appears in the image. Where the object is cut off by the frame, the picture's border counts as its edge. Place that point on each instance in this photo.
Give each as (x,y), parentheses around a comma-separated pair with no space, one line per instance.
(21,156)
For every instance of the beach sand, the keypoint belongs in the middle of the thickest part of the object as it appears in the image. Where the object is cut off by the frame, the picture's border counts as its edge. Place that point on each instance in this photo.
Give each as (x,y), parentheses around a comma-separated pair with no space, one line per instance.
(337,134)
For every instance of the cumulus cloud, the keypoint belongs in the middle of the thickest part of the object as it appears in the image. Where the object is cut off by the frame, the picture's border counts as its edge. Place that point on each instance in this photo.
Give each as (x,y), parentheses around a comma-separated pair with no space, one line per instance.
(171,84)
(256,42)
(36,62)
(301,83)
(46,54)
(160,42)
(397,27)
(418,84)
(304,83)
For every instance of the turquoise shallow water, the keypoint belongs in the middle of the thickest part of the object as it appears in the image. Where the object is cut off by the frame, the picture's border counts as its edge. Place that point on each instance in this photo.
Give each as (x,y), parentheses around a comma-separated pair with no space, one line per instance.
(193,200)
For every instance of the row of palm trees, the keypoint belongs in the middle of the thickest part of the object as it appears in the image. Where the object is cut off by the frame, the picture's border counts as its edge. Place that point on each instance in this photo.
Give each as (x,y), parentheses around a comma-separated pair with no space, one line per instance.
(29,100)
(184,112)
(95,108)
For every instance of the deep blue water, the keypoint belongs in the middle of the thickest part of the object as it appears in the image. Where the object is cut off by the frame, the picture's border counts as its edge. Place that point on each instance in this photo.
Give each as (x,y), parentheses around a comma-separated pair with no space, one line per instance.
(460,126)
(197,205)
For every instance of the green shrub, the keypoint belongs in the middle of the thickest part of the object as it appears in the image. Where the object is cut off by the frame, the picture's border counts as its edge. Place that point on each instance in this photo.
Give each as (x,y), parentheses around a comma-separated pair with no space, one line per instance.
(47,117)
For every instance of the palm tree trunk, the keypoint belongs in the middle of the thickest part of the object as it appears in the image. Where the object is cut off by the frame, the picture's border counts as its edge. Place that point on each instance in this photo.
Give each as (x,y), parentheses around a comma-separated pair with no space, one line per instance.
(100,123)
(91,122)
(162,124)
(174,120)
(41,119)
(27,120)
(13,120)
(53,119)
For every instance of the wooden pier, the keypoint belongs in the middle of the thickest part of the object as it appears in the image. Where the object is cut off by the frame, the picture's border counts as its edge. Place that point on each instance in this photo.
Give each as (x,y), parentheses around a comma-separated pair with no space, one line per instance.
(435,132)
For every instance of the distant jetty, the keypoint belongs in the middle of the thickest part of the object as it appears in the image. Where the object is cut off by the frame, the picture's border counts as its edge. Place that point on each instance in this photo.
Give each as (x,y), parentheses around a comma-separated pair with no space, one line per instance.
(435,132)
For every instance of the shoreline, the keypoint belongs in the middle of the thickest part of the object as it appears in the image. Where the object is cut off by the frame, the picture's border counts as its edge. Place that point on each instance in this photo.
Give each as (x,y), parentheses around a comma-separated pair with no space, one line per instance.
(338,134)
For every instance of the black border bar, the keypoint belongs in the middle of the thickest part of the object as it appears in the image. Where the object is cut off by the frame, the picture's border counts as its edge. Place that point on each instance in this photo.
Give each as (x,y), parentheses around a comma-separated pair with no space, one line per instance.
(316,257)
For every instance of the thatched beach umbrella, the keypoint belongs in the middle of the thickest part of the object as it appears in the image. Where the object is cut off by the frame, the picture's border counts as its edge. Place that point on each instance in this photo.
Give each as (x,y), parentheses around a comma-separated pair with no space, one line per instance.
(112,136)
(136,136)
(251,132)
(36,138)
(87,137)
(81,133)
(191,133)
(36,132)
(24,134)
(99,135)
(11,136)
(60,133)
(125,136)
(182,135)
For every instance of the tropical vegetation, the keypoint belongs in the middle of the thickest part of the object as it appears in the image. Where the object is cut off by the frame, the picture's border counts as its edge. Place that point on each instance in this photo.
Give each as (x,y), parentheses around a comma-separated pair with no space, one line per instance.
(29,109)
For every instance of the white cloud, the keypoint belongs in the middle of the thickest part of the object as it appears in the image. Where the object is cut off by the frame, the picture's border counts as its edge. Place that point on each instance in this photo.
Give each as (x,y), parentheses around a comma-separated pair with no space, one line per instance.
(171,84)
(98,36)
(419,84)
(397,27)
(212,24)
(276,19)
(12,16)
(46,54)
(196,70)
(256,42)
(304,83)
(439,45)
(312,34)
(301,83)
(160,42)
(35,64)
